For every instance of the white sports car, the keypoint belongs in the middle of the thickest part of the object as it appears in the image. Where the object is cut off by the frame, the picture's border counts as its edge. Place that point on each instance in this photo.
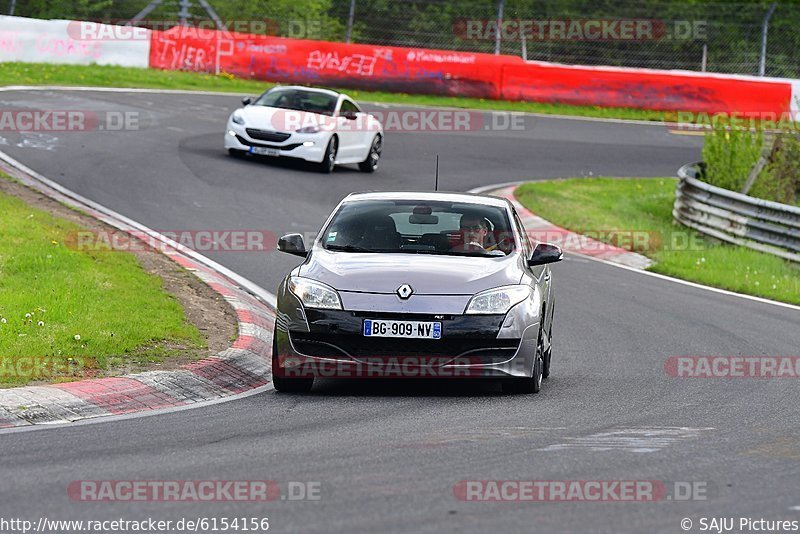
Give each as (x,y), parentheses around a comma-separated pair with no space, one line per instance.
(316,125)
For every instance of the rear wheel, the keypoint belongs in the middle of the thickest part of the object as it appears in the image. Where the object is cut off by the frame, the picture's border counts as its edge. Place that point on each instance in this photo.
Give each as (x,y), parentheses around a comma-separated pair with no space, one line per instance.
(285,384)
(329,160)
(371,163)
(530,384)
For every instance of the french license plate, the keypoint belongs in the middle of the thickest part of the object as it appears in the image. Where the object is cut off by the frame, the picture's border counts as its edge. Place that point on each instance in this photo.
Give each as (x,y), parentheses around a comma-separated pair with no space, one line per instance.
(264,151)
(404,329)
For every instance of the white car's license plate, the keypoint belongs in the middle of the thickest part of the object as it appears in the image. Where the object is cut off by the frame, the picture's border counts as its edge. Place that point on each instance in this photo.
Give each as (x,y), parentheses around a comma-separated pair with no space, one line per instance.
(406,329)
(264,151)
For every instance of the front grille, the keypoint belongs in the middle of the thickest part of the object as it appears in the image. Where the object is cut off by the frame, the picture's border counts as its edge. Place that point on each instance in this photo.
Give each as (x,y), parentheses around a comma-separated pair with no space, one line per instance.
(284,148)
(324,345)
(267,135)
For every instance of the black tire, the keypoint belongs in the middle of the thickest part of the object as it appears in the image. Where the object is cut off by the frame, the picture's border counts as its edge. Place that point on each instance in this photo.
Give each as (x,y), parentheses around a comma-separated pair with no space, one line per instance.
(236,153)
(284,384)
(549,354)
(292,385)
(530,384)
(373,158)
(329,160)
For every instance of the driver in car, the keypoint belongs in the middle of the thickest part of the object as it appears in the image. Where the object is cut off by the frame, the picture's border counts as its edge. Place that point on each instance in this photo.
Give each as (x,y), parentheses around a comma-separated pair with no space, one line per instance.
(472,236)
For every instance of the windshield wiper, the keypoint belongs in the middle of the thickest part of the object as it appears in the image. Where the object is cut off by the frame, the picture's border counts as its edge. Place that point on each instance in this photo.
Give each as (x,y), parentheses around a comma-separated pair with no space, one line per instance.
(349,248)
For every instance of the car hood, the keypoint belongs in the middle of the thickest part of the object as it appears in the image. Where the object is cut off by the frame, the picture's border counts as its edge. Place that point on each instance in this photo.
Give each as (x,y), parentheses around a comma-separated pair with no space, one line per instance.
(283,120)
(426,274)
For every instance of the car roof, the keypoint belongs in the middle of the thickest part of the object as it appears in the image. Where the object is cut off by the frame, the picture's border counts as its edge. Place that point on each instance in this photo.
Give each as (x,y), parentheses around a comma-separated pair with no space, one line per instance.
(469,198)
(306,88)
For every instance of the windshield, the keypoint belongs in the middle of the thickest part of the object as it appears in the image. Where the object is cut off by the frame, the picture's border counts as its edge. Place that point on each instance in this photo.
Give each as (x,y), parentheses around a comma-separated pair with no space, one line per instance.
(420,227)
(298,99)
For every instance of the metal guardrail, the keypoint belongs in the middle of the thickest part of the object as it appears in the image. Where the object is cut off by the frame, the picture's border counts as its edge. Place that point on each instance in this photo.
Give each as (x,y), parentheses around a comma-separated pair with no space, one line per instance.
(759,224)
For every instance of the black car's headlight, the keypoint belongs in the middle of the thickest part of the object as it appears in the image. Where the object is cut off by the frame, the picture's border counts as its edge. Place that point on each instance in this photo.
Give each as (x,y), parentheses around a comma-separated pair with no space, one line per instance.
(497,300)
(238,117)
(315,294)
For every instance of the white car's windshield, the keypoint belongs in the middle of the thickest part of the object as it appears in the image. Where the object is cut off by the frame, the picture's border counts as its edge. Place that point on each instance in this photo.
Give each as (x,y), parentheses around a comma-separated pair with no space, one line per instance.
(420,227)
(299,100)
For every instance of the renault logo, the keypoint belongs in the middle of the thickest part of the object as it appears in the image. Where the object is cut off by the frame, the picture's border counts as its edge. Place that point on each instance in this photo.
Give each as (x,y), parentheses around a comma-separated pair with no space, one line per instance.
(404,291)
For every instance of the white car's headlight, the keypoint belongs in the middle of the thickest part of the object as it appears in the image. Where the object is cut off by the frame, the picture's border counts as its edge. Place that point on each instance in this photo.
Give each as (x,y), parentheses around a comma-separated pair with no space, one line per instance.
(315,294)
(497,300)
(308,129)
(238,117)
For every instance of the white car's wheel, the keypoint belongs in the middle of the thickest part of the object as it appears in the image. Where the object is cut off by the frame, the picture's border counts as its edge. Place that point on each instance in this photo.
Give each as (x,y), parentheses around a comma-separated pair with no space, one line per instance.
(373,157)
(329,160)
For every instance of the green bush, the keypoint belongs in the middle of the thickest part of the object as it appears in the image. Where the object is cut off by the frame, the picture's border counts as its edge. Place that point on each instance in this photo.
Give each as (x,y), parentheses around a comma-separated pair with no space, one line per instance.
(730,153)
(780,179)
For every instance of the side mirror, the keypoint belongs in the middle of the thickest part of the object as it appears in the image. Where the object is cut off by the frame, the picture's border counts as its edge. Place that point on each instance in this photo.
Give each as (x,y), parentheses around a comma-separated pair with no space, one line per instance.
(350,115)
(247,100)
(292,244)
(545,253)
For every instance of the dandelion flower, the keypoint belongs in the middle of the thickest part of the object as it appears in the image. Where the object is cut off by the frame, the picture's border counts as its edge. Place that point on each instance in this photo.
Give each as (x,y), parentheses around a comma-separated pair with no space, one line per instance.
(40,323)
(3,320)
(27,315)
(77,337)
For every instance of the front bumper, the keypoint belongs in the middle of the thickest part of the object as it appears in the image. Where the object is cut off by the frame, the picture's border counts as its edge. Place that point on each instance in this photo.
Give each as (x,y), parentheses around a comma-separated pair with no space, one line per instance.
(330,344)
(296,146)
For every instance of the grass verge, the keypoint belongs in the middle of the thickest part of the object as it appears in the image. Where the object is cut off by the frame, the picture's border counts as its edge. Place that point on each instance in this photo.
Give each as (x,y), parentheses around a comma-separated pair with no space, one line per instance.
(602,205)
(110,76)
(68,313)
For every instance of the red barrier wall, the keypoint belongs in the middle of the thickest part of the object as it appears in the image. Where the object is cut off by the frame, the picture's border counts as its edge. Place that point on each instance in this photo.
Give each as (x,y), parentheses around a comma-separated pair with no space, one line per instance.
(460,73)
(320,62)
(643,88)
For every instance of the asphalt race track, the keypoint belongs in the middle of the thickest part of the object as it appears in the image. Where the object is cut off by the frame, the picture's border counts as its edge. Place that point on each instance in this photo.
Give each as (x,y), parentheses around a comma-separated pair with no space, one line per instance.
(387,455)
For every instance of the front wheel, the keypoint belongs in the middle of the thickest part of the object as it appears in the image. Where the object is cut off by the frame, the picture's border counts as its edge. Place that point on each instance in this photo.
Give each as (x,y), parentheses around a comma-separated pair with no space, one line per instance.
(285,384)
(531,384)
(371,163)
(292,385)
(548,355)
(329,160)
